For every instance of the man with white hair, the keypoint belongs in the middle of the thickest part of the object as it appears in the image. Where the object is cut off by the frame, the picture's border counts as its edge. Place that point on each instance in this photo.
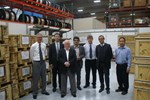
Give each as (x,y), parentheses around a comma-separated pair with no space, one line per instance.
(38,53)
(67,58)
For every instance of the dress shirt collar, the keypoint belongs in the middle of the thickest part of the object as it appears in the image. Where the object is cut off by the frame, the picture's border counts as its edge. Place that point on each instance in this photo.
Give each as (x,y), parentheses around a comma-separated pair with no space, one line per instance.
(67,49)
(102,44)
(76,46)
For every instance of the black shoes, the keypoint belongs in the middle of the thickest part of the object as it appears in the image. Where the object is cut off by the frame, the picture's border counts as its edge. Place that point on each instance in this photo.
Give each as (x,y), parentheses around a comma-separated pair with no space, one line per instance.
(118,90)
(45,93)
(79,88)
(86,86)
(62,96)
(101,90)
(34,96)
(74,95)
(54,89)
(108,91)
(94,86)
(124,92)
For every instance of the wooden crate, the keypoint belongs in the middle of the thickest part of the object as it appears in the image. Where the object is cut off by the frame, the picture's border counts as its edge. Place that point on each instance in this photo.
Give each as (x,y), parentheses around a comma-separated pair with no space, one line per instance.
(132,69)
(142,72)
(24,72)
(132,47)
(46,39)
(129,38)
(23,41)
(4,74)
(48,68)
(141,94)
(15,91)
(50,39)
(13,40)
(14,57)
(6,93)
(13,49)
(32,39)
(24,57)
(126,3)
(4,51)
(13,71)
(142,46)
(141,84)
(3,33)
(139,3)
(25,87)
(142,60)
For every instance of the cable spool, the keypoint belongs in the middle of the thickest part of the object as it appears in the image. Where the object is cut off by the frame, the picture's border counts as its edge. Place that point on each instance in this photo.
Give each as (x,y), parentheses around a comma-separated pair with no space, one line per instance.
(58,24)
(13,16)
(31,19)
(22,18)
(5,14)
(51,23)
(42,21)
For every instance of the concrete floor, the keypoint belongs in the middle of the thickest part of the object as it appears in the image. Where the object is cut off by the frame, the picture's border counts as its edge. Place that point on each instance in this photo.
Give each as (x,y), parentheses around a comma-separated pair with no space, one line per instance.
(90,93)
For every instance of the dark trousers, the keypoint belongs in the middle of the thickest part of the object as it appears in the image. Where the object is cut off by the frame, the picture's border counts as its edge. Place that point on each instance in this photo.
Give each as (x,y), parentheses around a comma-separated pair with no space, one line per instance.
(64,82)
(56,72)
(78,72)
(90,64)
(38,71)
(103,71)
(122,77)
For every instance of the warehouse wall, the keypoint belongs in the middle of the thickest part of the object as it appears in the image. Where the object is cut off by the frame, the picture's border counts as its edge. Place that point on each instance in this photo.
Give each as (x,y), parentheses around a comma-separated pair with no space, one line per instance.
(88,23)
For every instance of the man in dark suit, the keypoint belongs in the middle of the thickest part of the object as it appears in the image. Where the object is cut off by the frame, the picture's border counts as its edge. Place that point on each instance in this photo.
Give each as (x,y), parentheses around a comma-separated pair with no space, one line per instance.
(53,60)
(67,58)
(80,54)
(104,56)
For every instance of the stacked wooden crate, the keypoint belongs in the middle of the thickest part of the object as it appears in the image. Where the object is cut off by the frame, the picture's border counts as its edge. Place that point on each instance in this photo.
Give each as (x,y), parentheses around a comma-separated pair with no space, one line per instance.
(142,69)
(130,42)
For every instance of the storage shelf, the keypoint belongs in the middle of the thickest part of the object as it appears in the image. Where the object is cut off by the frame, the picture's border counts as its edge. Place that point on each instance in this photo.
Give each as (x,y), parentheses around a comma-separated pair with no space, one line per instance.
(42,9)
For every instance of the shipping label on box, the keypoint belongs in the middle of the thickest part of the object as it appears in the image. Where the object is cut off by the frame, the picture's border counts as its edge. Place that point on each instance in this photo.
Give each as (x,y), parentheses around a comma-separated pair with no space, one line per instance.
(25,55)
(2,95)
(45,40)
(25,40)
(2,71)
(26,71)
(27,85)
(47,65)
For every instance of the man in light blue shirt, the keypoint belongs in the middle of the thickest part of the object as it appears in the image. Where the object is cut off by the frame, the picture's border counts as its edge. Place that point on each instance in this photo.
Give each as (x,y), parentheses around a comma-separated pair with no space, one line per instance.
(123,61)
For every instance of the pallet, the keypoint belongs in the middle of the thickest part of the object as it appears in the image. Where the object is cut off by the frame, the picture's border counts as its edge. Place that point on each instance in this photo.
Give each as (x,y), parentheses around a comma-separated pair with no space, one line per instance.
(24,72)
(23,41)
(24,58)
(15,91)
(6,93)
(25,87)
(4,74)
(4,51)
(14,57)
(13,71)
(13,49)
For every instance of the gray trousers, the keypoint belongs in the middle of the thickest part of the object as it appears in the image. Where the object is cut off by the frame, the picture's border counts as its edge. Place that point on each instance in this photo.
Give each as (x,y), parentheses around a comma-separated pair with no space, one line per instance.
(64,82)
(38,71)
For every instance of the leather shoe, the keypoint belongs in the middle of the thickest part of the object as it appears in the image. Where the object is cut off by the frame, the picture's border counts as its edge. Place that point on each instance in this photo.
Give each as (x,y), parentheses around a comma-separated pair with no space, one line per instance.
(74,95)
(86,86)
(46,93)
(94,87)
(101,90)
(107,91)
(79,88)
(54,89)
(34,96)
(62,96)
(118,90)
(124,92)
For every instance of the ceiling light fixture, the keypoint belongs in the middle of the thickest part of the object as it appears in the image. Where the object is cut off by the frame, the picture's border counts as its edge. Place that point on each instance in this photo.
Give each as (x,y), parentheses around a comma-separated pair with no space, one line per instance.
(92,13)
(97,1)
(80,10)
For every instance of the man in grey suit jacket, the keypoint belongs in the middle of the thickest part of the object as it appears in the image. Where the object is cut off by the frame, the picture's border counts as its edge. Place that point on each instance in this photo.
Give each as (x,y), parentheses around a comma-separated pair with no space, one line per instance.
(80,55)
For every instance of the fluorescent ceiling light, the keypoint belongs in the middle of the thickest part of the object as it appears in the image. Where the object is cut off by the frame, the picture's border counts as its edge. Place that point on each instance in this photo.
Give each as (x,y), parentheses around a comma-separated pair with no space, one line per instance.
(6,7)
(92,13)
(80,10)
(97,1)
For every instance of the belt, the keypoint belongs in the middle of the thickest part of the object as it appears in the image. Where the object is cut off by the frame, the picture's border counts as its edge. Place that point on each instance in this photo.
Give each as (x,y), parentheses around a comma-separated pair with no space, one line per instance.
(122,64)
(38,61)
(90,59)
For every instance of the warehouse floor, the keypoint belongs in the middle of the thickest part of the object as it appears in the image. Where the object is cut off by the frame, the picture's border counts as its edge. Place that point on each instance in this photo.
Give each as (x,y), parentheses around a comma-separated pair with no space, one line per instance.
(90,93)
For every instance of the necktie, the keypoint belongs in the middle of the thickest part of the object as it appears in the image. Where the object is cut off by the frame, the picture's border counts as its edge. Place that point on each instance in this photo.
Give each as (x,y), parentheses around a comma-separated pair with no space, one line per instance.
(57,48)
(40,52)
(91,51)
